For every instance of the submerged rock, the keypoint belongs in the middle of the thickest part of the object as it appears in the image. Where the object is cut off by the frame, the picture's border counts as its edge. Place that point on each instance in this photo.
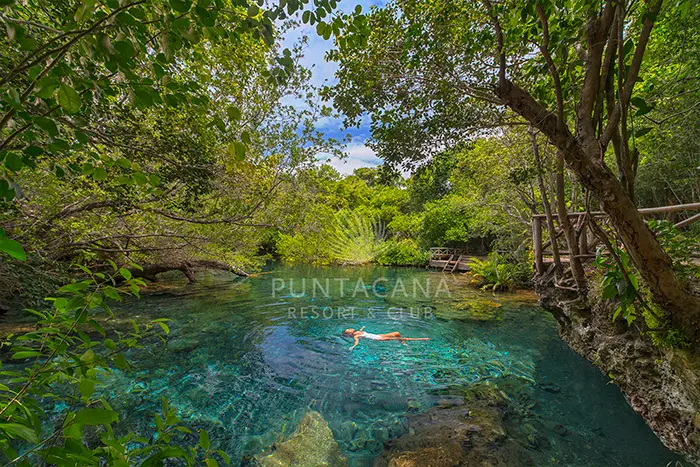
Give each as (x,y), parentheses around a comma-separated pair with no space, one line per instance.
(311,445)
(183,345)
(479,309)
(468,431)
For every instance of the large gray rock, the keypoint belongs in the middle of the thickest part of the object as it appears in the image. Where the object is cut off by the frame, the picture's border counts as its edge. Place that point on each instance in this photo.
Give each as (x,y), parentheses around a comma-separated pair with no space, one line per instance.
(311,445)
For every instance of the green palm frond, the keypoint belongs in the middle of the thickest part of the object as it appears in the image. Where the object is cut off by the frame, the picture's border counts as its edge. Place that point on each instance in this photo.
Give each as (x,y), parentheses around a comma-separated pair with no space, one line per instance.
(356,239)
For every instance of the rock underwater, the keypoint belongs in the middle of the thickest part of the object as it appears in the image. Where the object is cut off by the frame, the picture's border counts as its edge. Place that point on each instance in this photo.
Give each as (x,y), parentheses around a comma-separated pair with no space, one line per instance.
(458,433)
(311,445)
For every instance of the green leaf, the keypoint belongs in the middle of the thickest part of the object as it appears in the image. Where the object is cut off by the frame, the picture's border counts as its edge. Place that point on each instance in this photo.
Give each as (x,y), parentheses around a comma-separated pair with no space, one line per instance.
(109,343)
(126,274)
(98,327)
(45,87)
(224,456)
(121,362)
(75,286)
(96,417)
(240,150)
(172,452)
(181,6)
(212,463)
(15,430)
(100,173)
(69,99)
(140,178)
(609,292)
(233,112)
(33,151)
(642,132)
(86,387)
(12,248)
(25,354)
(13,162)
(124,48)
(204,440)
(124,163)
(618,310)
(164,327)
(47,125)
(144,97)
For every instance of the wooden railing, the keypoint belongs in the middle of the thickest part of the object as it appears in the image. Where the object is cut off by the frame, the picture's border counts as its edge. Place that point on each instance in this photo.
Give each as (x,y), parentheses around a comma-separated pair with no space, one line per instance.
(587,243)
(441,253)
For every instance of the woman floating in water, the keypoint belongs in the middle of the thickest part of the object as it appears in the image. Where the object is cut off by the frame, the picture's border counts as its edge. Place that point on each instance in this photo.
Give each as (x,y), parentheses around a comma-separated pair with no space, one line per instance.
(391,336)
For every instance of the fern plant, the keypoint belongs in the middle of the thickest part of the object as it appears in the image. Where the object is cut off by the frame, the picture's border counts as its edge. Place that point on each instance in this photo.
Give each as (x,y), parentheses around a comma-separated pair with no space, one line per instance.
(493,273)
(356,239)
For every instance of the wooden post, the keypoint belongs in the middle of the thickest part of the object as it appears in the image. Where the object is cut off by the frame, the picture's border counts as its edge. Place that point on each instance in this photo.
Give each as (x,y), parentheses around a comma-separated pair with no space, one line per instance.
(583,240)
(537,244)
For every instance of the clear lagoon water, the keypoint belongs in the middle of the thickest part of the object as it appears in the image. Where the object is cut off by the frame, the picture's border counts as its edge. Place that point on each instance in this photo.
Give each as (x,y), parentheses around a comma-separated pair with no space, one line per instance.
(246,358)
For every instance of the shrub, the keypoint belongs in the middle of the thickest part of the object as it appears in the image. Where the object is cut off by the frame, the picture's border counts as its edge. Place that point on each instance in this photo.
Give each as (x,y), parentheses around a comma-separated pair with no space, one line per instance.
(299,248)
(403,253)
(680,246)
(497,274)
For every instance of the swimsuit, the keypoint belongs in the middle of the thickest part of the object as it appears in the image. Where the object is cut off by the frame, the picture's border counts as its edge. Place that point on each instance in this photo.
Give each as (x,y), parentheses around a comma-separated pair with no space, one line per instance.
(368,335)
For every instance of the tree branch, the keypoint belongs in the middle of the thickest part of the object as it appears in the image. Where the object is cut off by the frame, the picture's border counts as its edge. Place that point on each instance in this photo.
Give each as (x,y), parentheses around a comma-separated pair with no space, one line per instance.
(631,79)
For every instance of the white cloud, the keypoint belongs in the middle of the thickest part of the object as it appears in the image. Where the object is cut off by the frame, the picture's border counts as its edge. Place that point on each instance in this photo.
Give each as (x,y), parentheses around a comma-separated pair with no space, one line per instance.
(358,155)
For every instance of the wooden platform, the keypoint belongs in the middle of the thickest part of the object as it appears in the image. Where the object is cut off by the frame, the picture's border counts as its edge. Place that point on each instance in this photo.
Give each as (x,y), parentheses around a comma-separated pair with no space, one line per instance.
(450,260)
(462,266)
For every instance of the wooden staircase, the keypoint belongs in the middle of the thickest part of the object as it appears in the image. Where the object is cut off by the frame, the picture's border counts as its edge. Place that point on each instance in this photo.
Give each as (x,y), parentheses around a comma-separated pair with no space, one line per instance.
(452,264)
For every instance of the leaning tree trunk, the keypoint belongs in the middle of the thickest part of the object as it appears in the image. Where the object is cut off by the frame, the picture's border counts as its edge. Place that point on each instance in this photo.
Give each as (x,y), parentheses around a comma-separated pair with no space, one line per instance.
(187,267)
(565,222)
(650,259)
(648,256)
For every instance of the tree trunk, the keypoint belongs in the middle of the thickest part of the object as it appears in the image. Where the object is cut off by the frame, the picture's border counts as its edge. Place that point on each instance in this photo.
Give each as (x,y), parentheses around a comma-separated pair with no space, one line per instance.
(652,262)
(565,223)
(545,203)
(648,256)
(150,271)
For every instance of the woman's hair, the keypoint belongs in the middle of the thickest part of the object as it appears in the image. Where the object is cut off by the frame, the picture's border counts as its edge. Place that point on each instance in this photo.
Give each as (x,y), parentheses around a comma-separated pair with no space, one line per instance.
(348,332)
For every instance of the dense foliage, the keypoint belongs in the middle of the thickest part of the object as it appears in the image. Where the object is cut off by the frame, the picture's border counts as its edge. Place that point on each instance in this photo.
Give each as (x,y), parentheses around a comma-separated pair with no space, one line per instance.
(589,78)
(135,137)
(139,137)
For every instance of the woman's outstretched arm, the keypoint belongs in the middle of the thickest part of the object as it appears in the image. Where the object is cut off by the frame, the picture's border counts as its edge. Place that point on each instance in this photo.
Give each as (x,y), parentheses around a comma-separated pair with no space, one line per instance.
(357,341)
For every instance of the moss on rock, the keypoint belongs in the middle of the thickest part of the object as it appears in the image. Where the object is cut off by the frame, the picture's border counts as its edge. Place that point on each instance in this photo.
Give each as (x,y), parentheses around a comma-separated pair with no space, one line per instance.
(311,445)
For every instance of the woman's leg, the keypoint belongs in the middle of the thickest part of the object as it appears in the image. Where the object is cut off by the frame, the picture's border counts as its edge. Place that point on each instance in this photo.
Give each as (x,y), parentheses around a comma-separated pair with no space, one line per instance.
(391,334)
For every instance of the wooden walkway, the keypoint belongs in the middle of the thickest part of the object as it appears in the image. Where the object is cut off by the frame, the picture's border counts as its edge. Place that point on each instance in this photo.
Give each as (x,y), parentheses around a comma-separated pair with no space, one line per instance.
(450,259)
(587,242)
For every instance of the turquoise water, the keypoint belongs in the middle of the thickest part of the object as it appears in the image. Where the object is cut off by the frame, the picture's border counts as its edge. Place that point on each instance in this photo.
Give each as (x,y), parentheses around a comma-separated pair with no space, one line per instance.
(245,361)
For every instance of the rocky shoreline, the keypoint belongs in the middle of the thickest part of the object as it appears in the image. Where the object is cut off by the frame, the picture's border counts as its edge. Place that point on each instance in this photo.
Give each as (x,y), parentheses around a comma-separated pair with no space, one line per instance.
(661,385)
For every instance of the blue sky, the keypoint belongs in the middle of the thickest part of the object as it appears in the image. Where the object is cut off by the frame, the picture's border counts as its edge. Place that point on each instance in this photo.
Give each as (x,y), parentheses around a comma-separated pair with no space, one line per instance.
(359,154)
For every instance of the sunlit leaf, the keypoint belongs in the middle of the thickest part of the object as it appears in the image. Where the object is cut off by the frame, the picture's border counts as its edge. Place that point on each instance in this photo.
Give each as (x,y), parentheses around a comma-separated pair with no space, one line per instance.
(69,99)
